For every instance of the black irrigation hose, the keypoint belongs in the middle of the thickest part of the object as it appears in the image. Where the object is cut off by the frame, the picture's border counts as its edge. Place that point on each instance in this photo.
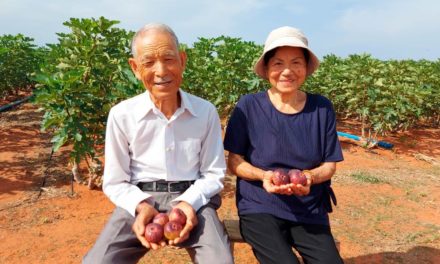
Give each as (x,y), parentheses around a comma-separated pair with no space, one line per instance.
(10,105)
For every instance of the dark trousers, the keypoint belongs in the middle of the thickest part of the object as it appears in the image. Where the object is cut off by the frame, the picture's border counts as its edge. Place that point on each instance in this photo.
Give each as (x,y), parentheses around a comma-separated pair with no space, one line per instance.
(272,240)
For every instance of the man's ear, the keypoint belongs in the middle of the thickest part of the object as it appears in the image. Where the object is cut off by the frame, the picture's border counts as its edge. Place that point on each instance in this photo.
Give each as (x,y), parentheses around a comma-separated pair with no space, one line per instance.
(183,58)
(134,67)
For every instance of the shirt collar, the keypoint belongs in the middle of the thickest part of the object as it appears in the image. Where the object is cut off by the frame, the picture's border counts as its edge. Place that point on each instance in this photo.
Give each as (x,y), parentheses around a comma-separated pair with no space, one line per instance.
(186,103)
(146,106)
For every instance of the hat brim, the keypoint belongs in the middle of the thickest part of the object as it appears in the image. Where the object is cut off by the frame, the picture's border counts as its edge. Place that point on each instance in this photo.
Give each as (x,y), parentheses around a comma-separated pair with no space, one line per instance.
(312,64)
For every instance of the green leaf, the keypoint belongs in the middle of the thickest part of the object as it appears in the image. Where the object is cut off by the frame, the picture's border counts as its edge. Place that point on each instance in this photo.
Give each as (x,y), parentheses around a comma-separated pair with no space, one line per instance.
(58,141)
(78,137)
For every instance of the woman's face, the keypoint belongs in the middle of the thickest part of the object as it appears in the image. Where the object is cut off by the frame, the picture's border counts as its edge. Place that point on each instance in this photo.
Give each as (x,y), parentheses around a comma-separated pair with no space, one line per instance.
(287,69)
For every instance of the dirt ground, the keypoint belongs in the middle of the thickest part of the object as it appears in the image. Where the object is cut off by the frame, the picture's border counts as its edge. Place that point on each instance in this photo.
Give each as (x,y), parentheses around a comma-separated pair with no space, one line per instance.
(388,200)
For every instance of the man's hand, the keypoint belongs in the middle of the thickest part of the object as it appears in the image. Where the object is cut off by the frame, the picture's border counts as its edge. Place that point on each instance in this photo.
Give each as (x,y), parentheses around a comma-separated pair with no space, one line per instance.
(191,222)
(145,212)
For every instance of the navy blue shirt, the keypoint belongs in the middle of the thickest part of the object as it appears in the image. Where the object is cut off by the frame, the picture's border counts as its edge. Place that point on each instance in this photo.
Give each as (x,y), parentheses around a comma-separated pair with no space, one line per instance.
(269,139)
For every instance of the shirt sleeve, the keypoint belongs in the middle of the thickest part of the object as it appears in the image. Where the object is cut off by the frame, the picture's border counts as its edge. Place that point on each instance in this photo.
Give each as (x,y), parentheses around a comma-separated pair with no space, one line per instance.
(237,136)
(116,180)
(333,151)
(212,166)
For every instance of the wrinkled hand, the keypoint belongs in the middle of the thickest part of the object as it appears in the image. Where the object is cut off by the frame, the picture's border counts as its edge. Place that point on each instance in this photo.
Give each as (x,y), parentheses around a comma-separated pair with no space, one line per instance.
(143,217)
(191,222)
(287,189)
(299,190)
(304,190)
(268,183)
(269,186)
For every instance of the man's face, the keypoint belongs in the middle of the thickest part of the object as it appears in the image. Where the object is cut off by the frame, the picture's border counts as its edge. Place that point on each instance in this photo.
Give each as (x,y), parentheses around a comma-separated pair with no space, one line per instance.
(158,64)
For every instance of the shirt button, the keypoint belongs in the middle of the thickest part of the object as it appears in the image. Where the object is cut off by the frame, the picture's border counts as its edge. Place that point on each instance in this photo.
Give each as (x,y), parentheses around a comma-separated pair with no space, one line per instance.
(168,149)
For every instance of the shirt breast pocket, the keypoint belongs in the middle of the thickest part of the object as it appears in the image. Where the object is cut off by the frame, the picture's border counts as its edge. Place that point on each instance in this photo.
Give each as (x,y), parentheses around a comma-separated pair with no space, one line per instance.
(188,153)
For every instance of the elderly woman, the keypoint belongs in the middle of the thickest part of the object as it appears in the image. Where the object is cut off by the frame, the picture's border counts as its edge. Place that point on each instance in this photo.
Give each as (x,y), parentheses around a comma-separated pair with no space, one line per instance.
(285,128)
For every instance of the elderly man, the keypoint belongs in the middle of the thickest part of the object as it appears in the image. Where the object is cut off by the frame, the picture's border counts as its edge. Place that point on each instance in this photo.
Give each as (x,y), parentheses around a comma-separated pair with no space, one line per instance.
(163,149)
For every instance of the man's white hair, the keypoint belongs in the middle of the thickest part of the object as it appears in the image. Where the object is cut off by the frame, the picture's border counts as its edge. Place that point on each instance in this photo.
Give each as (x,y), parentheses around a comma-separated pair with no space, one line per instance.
(150,26)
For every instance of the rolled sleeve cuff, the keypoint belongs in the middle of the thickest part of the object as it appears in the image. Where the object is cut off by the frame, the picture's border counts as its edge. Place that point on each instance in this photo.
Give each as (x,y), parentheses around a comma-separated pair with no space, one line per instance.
(134,199)
(193,197)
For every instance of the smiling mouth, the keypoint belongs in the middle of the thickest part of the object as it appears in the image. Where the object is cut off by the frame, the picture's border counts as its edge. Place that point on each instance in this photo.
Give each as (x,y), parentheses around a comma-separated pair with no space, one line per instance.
(162,83)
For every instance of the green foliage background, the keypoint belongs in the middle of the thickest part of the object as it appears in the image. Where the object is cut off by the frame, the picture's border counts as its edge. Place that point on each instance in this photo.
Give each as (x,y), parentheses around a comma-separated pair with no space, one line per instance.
(85,74)
(19,58)
(385,95)
(220,70)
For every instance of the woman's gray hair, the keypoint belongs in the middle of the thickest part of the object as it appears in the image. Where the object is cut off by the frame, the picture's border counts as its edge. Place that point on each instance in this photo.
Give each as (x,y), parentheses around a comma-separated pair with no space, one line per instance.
(150,26)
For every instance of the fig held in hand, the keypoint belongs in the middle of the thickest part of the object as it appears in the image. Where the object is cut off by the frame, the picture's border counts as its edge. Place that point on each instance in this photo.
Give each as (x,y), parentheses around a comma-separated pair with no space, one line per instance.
(172,230)
(297,177)
(154,233)
(177,215)
(161,219)
(280,177)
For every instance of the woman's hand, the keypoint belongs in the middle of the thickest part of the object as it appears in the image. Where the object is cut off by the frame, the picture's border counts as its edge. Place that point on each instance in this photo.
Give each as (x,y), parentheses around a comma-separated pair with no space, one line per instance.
(268,183)
(287,189)
(298,189)
(247,171)
(269,186)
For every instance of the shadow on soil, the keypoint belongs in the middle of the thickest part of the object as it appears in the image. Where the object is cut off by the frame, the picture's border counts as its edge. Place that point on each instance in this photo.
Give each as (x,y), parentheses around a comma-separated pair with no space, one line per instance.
(416,255)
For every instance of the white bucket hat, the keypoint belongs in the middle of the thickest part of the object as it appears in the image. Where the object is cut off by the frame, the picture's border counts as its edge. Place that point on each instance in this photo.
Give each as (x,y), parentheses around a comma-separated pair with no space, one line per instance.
(286,36)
